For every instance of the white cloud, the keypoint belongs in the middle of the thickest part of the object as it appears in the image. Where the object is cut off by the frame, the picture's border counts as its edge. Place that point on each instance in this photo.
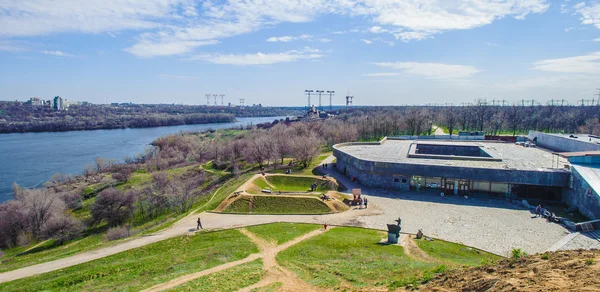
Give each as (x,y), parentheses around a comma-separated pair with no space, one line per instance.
(368,42)
(283,39)
(39,17)
(57,53)
(147,49)
(325,40)
(588,64)
(596,40)
(377,29)
(431,70)
(173,27)
(260,58)
(287,38)
(589,14)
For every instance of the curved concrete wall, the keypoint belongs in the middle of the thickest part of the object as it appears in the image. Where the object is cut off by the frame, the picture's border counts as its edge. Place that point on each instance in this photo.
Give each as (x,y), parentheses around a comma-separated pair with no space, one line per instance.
(384,174)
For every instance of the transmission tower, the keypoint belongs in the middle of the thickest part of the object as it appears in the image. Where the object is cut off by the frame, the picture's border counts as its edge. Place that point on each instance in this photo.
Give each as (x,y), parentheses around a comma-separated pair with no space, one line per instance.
(320,92)
(331,93)
(207,99)
(597,96)
(241,102)
(308,92)
(222,95)
(215,97)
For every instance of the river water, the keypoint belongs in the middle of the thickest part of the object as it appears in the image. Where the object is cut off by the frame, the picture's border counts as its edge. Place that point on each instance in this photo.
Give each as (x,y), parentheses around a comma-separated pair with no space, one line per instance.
(31,158)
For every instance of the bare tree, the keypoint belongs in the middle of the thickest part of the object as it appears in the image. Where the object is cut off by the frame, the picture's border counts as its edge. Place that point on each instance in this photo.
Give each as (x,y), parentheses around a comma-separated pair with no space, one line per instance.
(161,180)
(63,228)
(41,205)
(180,195)
(307,148)
(112,206)
(13,221)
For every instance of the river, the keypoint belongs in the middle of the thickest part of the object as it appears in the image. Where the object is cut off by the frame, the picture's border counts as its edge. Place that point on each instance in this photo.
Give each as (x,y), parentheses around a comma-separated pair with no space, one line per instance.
(31,158)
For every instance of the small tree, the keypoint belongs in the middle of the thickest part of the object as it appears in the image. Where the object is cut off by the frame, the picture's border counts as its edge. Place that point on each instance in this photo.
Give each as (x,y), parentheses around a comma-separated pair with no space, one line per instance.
(112,206)
(305,149)
(41,205)
(12,222)
(63,228)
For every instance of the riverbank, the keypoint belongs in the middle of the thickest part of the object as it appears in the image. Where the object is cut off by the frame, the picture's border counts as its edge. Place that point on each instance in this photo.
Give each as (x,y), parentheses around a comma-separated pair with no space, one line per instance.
(30,159)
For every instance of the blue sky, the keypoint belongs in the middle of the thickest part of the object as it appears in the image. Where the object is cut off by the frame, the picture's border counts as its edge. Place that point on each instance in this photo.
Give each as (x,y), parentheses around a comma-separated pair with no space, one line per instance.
(384,52)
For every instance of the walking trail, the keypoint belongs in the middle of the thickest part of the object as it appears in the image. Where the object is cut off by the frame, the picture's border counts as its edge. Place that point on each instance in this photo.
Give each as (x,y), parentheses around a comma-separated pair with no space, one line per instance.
(273,271)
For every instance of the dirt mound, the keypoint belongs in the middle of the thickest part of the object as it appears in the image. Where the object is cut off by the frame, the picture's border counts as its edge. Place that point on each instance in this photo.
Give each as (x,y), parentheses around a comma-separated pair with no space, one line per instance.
(577,270)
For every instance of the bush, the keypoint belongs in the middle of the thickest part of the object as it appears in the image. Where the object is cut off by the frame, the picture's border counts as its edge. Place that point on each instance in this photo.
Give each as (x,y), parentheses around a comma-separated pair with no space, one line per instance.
(24,238)
(1,253)
(546,256)
(112,206)
(118,233)
(63,228)
(517,253)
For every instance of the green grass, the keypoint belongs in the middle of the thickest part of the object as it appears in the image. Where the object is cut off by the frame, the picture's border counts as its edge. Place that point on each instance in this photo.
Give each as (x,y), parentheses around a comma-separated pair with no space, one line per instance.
(278,205)
(273,287)
(291,183)
(455,254)
(282,232)
(353,257)
(48,251)
(231,279)
(144,267)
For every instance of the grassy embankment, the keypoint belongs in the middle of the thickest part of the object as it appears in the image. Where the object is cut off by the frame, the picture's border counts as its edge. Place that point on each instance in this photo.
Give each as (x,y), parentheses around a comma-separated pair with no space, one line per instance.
(352,258)
(277,205)
(291,183)
(231,279)
(280,233)
(144,267)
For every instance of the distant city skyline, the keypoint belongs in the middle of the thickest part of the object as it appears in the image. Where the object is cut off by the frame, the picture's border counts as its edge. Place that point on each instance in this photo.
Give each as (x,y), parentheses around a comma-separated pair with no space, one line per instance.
(383,52)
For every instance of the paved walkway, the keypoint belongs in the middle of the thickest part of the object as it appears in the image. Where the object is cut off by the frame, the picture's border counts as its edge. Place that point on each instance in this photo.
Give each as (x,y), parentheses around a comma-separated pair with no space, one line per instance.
(492,225)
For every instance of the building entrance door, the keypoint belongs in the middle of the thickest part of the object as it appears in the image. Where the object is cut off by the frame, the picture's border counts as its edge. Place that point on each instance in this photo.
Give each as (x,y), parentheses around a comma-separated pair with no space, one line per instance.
(449,189)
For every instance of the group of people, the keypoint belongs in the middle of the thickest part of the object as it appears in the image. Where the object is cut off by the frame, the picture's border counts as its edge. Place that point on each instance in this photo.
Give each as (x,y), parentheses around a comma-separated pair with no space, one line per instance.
(324,165)
(362,201)
(540,211)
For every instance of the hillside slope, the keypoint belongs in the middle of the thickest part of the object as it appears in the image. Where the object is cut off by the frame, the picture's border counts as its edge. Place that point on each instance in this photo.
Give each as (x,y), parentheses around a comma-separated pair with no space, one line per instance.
(577,270)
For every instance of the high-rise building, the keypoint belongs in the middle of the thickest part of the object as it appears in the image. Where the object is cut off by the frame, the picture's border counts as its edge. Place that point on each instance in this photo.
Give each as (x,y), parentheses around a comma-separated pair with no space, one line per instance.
(58,103)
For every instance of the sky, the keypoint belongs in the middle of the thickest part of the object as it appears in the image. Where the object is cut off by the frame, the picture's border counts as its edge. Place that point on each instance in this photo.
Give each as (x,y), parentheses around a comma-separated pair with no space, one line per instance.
(382,52)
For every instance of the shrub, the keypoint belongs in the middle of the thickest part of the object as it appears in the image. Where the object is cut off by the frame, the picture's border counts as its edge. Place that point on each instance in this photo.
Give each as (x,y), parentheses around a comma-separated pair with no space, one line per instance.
(589,262)
(546,256)
(517,253)
(118,233)
(112,206)
(63,228)
(24,238)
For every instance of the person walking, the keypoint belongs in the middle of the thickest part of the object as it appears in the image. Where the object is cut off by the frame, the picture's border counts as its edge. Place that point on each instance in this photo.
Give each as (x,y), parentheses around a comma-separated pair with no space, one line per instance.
(538,211)
(199,226)
(366,202)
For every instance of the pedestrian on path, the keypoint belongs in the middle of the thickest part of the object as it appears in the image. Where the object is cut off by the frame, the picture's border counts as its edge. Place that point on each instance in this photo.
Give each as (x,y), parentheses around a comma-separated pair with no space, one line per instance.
(199,226)
(325,226)
(366,202)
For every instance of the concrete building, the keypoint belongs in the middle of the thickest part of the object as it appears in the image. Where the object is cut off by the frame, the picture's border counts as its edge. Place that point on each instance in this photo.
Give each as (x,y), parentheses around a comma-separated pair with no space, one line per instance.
(477,168)
(58,103)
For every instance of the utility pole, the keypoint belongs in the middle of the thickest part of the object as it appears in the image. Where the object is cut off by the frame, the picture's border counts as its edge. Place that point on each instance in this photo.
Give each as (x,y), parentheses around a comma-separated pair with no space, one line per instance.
(331,92)
(215,97)
(207,99)
(241,103)
(222,95)
(320,92)
(597,95)
(308,92)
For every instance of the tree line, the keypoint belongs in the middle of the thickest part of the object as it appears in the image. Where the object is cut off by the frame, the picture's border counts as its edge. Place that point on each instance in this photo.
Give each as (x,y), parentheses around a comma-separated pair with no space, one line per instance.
(23,117)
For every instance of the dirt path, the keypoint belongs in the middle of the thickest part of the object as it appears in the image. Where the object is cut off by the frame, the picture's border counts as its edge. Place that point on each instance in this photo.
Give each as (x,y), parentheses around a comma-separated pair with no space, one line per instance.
(412,249)
(273,272)
(437,130)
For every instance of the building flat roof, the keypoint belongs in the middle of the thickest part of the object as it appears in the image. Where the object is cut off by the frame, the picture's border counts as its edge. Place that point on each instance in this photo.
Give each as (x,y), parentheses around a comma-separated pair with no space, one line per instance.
(513,156)
(578,153)
(579,137)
